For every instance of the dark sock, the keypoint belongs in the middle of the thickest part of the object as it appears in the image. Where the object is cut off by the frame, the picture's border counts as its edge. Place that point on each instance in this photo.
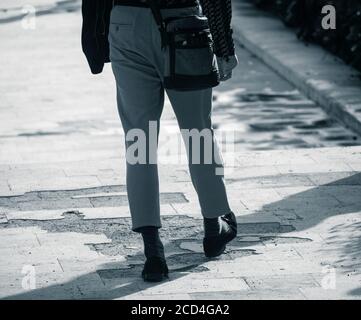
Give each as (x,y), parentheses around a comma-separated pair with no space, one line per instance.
(153,246)
(214,227)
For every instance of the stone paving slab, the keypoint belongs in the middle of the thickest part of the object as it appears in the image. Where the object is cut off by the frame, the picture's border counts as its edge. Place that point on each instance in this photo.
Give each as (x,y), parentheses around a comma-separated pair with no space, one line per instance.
(265,262)
(251,295)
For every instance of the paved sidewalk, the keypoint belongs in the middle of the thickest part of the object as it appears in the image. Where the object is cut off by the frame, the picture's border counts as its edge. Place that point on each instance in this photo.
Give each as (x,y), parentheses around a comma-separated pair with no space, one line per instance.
(299,226)
(63,205)
(323,77)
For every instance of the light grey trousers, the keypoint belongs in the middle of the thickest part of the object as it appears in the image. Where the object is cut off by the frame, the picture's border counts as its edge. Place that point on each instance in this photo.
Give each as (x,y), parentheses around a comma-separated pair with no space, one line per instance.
(138,63)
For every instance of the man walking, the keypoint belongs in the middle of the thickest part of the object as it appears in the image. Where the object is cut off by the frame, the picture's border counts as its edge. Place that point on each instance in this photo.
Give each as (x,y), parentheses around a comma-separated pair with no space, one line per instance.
(126,33)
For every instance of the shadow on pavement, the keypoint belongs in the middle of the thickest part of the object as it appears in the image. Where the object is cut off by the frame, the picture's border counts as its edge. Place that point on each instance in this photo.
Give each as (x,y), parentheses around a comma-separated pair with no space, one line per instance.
(356,292)
(120,282)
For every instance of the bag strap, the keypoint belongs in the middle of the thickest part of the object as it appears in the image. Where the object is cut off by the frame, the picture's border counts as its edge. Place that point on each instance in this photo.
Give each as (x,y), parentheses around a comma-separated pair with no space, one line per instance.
(153,4)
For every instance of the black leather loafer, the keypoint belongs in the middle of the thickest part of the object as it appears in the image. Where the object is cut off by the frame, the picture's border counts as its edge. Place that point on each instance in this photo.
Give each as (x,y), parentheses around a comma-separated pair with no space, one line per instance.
(215,246)
(155,270)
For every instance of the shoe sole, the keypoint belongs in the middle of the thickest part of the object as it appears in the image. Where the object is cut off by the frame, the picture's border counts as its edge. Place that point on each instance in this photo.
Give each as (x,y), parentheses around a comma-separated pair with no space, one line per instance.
(227,240)
(154,277)
(220,252)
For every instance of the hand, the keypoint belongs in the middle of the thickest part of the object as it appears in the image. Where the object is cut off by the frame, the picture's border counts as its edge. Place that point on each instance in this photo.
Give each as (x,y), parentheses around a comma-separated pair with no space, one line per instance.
(226,66)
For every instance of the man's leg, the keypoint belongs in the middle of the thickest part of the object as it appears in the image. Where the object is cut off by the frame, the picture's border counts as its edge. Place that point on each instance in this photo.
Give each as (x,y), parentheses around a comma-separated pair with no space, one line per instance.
(140,97)
(193,111)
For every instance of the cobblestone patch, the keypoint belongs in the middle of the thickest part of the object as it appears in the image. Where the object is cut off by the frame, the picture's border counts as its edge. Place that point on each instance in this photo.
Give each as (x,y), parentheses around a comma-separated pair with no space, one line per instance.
(184,240)
(264,227)
(275,240)
(109,196)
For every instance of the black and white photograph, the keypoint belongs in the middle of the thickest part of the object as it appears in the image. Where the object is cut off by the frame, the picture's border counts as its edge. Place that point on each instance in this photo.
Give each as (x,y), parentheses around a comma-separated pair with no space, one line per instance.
(182,151)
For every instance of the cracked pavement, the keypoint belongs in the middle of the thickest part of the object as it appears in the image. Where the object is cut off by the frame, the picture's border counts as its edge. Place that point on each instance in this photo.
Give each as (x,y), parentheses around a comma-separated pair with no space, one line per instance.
(293,178)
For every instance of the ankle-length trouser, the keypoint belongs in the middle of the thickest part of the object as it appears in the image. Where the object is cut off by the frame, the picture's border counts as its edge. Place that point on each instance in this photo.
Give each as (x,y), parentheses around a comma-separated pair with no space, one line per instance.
(138,62)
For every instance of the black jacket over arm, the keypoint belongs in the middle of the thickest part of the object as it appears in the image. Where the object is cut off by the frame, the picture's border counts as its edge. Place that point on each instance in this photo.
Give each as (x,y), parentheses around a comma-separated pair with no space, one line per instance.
(96,18)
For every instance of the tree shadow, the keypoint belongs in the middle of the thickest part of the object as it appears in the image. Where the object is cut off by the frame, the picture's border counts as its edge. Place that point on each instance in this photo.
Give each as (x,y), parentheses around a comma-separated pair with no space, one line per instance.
(115,280)
(309,208)
(356,292)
